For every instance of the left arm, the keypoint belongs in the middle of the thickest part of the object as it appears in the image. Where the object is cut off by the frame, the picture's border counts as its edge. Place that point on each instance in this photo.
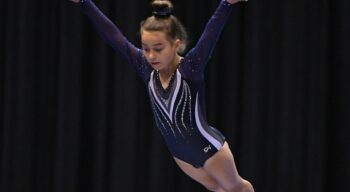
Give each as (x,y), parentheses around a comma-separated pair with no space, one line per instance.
(234,1)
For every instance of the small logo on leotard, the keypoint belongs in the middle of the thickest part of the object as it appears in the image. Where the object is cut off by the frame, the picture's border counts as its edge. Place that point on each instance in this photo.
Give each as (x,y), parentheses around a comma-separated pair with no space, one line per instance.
(206,149)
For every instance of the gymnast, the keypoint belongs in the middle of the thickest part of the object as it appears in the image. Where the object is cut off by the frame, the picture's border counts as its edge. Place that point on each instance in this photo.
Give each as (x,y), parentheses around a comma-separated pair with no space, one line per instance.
(176,88)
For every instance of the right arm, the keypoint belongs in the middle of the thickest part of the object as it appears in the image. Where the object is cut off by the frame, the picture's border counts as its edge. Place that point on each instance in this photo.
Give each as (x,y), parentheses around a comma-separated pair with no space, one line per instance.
(112,35)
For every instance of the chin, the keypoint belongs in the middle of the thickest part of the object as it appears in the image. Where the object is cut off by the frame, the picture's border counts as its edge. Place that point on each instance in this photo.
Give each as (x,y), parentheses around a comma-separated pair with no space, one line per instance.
(157,67)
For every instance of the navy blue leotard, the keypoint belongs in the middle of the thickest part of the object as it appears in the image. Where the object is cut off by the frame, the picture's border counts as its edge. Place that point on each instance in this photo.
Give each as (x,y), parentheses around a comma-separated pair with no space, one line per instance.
(179,110)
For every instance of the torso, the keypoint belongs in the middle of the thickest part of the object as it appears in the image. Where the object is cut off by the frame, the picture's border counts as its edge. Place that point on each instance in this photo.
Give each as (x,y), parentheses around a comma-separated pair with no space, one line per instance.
(178,113)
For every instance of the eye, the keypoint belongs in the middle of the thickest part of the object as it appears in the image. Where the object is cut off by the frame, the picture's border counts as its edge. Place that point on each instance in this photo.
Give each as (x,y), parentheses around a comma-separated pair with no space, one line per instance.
(158,49)
(145,49)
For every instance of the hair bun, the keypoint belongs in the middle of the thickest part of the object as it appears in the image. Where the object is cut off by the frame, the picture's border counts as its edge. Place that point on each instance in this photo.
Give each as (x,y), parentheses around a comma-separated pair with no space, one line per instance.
(162,9)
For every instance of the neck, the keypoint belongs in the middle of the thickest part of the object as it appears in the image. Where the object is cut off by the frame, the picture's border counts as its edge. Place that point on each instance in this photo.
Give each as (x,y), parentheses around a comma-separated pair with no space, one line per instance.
(168,72)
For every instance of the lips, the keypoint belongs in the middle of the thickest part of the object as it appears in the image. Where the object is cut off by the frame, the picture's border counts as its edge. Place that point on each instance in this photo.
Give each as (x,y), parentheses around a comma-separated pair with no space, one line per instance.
(155,63)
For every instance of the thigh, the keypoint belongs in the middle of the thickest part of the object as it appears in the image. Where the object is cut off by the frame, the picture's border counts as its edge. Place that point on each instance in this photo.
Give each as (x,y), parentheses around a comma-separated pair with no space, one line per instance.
(198,174)
(222,168)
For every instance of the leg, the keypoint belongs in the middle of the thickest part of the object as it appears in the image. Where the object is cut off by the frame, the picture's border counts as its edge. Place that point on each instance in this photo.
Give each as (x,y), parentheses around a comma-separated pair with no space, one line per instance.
(222,168)
(199,175)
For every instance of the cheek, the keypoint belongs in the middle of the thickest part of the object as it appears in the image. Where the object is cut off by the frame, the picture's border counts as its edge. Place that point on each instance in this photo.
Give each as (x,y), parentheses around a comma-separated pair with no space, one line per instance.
(145,55)
(169,53)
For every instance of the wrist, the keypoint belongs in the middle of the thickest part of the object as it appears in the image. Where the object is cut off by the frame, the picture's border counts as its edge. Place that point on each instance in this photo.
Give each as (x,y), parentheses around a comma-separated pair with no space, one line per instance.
(234,1)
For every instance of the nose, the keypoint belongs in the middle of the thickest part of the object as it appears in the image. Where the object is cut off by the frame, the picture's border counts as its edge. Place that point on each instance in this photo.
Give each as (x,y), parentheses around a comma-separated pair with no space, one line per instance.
(151,55)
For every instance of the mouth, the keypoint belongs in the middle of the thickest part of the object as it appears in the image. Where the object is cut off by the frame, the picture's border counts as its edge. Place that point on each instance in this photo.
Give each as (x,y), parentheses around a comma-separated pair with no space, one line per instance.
(155,63)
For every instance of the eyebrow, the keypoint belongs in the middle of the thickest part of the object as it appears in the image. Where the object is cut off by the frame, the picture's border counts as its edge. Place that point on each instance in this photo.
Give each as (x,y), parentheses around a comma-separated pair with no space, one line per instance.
(157,44)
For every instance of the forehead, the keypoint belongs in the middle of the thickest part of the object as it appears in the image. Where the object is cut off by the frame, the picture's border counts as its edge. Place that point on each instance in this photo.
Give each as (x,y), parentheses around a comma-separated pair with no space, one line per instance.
(153,37)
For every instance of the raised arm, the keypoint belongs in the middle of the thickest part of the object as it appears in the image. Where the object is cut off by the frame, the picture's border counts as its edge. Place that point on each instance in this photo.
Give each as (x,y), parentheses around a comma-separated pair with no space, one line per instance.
(235,1)
(199,55)
(113,36)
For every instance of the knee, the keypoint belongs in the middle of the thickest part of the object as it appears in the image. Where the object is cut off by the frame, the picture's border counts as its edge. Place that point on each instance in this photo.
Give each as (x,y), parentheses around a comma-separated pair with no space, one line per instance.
(209,183)
(240,186)
(212,187)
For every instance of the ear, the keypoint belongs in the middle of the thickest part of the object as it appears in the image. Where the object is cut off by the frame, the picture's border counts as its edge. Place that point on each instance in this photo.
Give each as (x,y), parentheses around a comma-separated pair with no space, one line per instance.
(177,43)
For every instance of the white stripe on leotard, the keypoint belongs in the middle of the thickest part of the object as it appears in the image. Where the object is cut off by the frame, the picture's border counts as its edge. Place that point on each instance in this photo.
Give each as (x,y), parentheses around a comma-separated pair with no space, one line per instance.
(210,138)
(178,82)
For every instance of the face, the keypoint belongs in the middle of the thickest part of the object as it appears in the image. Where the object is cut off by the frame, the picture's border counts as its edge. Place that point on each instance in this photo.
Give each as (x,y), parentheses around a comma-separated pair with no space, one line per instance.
(159,51)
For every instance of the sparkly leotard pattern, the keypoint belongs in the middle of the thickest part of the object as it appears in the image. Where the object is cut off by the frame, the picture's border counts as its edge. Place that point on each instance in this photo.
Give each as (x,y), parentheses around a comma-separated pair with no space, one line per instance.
(179,110)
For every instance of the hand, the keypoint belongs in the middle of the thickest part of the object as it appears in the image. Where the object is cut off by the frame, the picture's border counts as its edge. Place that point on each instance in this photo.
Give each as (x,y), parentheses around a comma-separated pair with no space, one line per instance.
(75,1)
(235,1)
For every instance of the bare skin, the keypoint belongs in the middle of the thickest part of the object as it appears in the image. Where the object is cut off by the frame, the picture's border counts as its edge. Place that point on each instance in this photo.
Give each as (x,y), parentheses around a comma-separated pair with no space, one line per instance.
(161,54)
(218,174)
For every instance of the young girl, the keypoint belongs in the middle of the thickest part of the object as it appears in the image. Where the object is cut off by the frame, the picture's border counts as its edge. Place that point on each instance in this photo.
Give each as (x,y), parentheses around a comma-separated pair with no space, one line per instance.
(176,89)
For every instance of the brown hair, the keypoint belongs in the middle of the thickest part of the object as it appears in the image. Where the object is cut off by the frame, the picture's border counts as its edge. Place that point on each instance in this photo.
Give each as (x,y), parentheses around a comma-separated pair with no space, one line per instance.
(163,21)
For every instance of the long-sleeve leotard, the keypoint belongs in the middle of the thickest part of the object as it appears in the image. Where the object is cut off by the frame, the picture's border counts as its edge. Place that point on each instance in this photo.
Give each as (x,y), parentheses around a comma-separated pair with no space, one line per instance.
(179,110)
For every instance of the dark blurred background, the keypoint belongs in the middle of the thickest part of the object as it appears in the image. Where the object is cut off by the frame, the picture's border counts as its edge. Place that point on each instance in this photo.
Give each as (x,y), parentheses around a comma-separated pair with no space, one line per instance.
(76,118)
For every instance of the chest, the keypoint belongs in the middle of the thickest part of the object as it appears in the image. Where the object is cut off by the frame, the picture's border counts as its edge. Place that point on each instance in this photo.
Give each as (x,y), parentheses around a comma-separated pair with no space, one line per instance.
(173,99)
